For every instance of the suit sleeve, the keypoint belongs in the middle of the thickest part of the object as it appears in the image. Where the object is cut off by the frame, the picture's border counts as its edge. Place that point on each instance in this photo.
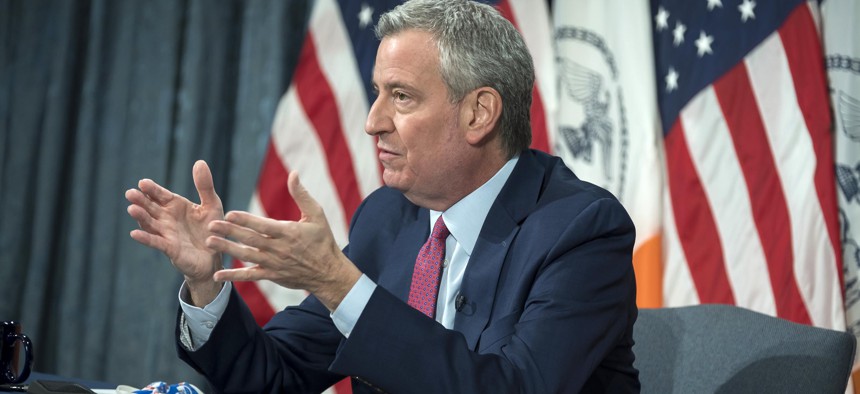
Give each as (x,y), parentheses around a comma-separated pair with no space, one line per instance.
(580,307)
(291,354)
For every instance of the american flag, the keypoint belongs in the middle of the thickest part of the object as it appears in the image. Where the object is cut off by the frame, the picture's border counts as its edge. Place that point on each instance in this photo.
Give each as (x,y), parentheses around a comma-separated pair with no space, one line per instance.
(319,124)
(750,213)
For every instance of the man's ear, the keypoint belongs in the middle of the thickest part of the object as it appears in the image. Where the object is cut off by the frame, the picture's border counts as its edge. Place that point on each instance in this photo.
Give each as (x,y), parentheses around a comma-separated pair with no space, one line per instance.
(484,108)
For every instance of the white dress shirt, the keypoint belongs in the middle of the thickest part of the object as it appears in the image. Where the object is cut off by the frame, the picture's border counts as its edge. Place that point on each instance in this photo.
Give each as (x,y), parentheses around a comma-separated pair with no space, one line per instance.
(464,220)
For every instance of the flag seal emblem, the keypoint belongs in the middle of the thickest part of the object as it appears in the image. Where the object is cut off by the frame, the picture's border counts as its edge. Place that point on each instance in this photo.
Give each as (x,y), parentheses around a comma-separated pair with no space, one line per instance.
(592,122)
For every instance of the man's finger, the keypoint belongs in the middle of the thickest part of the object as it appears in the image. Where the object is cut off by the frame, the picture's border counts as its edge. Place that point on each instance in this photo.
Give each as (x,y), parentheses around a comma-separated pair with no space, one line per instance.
(262,225)
(240,274)
(309,207)
(155,192)
(237,250)
(242,234)
(151,240)
(137,197)
(144,219)
(204,184)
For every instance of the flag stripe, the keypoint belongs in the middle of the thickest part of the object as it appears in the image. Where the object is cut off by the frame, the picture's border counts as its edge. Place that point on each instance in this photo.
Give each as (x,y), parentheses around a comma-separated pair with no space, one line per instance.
(810,84)
(793,146)
(540,140)
(679,287)
(700,238)
(318,101)
(341,70)
(275,198)
(716,163)
(299,148)
(769,208)
(535,24)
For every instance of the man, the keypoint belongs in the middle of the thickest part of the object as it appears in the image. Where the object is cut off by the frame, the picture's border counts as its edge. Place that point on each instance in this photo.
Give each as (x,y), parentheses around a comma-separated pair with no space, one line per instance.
(536,291)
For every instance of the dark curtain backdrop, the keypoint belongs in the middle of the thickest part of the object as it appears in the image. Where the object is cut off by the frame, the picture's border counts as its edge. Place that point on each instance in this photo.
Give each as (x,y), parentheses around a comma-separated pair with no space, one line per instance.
(95,95)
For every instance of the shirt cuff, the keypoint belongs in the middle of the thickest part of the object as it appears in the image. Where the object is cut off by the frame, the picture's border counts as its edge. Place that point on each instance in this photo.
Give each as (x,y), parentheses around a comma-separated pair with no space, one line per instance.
(349,310)
(201,321)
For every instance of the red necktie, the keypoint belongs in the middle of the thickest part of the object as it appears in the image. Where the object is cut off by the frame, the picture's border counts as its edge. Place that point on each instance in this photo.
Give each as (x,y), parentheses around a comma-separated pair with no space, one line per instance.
(428,271)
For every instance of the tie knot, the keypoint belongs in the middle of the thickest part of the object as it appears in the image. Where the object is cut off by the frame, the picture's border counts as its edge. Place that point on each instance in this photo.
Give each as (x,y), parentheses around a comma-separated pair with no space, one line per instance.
(440,230)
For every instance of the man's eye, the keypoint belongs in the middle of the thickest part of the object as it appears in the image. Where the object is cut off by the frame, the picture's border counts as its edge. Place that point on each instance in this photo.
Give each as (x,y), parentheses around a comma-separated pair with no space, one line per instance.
(399,96)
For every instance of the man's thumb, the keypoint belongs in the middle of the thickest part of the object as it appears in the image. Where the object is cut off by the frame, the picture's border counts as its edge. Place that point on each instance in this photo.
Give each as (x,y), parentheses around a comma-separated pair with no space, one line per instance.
(204,184)
(309,207)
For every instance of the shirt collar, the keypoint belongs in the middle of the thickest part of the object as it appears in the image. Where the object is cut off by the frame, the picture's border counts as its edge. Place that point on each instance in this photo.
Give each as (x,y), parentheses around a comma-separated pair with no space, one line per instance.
(466,218)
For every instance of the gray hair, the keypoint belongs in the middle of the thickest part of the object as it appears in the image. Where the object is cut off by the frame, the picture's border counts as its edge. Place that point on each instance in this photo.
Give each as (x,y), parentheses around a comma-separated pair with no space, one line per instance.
(477,47)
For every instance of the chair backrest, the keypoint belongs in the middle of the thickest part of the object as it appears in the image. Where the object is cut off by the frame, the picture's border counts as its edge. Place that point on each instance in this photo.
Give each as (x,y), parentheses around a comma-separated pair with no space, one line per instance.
(728,349)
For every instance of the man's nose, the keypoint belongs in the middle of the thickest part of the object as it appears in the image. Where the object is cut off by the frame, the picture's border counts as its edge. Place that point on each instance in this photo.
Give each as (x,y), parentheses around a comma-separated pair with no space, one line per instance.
(378,119)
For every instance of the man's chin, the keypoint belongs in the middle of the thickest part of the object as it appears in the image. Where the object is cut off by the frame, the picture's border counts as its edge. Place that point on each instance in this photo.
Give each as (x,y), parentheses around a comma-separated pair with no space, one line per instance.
(394,181)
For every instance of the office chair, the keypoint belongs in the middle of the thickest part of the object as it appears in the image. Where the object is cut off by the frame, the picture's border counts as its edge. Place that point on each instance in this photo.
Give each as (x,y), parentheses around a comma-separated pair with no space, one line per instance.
(728,349)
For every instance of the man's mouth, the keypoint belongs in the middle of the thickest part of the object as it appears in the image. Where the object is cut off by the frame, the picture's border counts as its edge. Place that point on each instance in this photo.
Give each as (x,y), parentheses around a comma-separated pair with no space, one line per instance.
(386,154)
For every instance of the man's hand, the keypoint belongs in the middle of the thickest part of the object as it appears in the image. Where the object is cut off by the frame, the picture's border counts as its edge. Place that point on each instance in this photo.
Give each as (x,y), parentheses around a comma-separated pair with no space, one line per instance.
(179,228)
(297,255)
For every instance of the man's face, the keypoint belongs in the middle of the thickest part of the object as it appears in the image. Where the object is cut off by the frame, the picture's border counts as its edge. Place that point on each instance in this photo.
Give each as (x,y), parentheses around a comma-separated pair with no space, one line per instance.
(421,141)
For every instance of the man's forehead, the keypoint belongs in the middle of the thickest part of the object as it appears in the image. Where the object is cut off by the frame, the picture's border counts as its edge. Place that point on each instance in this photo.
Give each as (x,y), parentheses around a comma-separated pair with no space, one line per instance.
(403,55)
(415,39)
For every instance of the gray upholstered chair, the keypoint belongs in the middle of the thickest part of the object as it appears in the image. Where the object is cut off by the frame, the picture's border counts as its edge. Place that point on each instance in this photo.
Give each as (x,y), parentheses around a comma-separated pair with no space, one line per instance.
(727,349)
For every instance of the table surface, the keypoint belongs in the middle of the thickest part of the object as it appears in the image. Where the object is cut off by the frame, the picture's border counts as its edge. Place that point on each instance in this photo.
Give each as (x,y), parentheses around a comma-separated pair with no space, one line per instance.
(86,383)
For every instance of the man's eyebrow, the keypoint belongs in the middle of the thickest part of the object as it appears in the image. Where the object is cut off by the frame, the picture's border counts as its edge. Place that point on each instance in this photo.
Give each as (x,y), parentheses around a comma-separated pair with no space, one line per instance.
(394,85)
(388,86)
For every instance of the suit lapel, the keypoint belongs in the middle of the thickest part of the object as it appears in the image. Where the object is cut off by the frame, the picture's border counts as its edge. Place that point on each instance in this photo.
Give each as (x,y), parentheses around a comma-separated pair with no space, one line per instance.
(516,199)
(397,277)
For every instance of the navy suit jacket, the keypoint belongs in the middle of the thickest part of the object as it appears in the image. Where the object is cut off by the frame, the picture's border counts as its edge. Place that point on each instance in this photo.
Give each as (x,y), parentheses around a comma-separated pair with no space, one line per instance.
(549,304)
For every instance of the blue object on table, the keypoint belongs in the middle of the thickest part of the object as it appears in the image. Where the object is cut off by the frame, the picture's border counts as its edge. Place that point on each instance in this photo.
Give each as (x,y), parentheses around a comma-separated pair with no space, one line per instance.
(164,388)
